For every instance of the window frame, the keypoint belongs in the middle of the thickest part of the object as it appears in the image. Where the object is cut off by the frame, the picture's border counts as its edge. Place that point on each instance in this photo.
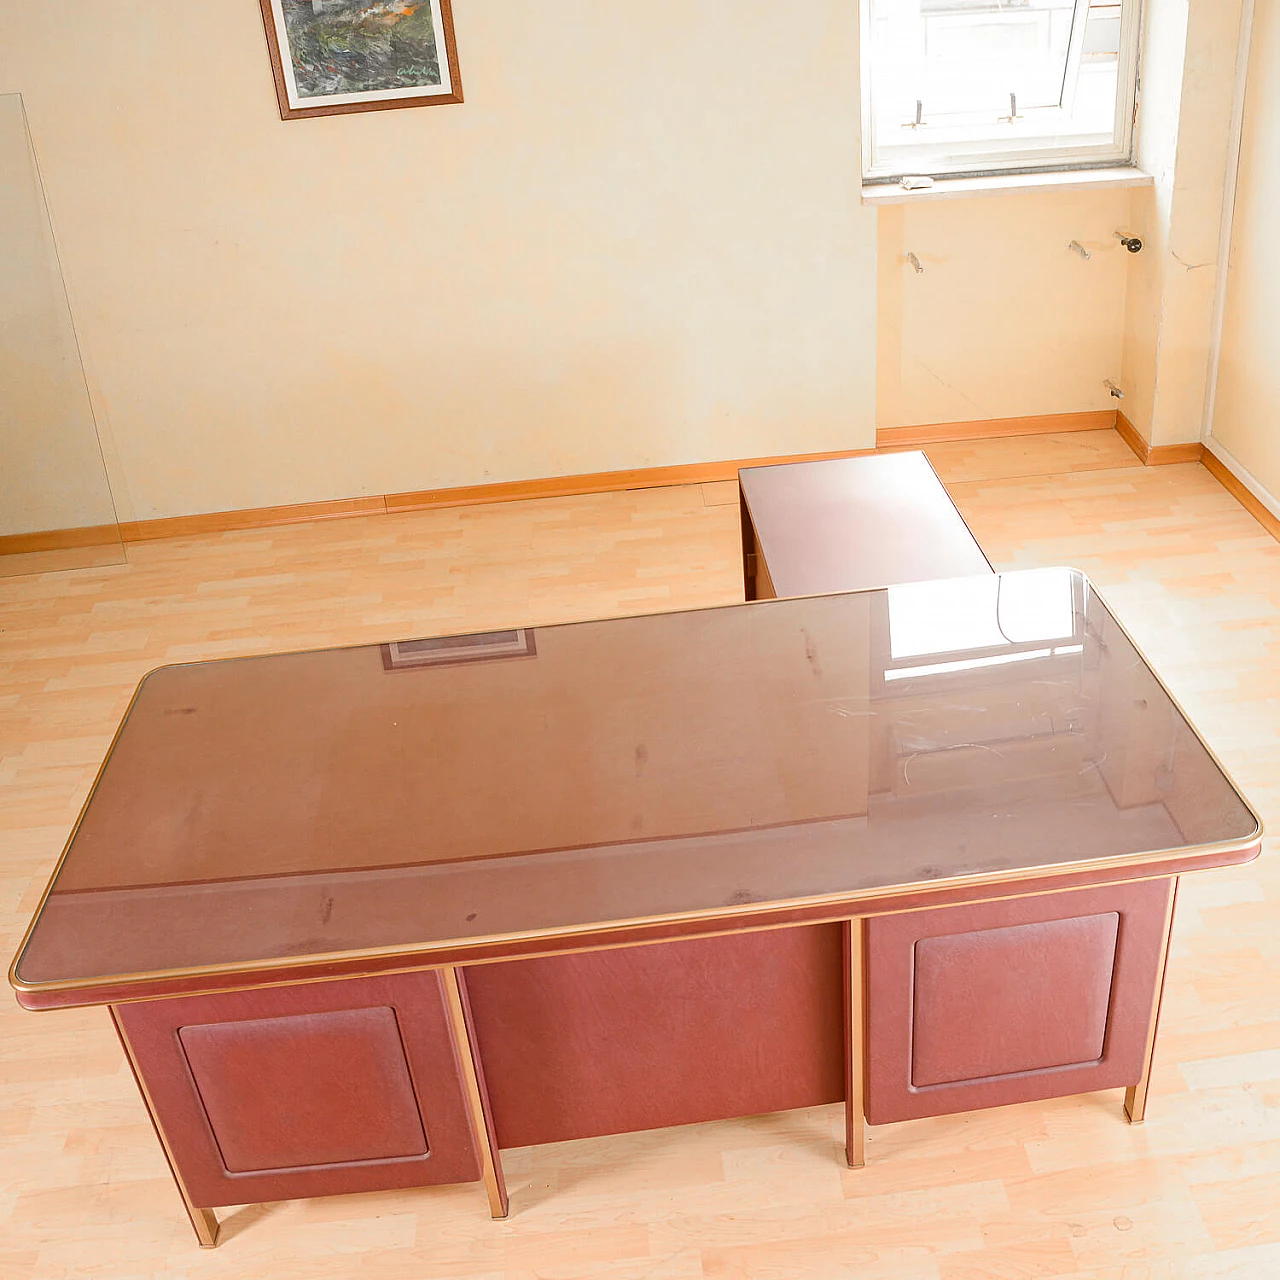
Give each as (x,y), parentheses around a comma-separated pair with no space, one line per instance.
(982,158)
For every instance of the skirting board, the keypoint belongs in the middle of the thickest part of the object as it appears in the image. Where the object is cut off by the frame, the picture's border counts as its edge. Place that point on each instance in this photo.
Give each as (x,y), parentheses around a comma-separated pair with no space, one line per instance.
(94,535)
(994,428)
(1161,454)
(887,439)
(1244,487)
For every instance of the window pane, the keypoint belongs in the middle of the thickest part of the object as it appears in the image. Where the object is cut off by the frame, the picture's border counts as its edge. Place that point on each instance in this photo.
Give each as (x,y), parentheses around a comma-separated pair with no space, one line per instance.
(966,78)
(959,57)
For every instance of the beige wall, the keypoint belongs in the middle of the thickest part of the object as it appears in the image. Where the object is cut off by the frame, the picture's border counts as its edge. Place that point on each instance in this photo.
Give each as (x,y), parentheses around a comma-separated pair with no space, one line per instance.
(1004,320)
(1247,404)
(638,242)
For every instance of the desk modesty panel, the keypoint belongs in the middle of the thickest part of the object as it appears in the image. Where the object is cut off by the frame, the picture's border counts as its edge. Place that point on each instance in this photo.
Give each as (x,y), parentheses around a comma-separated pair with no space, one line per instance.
(668,772)
(366,916)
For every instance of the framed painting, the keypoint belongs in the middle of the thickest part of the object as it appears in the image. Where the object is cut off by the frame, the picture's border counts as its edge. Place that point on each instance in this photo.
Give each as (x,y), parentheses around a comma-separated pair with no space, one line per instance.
(335,56)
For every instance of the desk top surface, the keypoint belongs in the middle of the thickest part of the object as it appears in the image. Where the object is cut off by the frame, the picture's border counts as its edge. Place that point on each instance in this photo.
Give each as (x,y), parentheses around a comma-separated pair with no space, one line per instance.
(423,797)
(854,524)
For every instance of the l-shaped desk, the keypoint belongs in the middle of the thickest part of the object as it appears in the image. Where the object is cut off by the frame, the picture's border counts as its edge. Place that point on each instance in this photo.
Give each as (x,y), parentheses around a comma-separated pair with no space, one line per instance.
(364,917)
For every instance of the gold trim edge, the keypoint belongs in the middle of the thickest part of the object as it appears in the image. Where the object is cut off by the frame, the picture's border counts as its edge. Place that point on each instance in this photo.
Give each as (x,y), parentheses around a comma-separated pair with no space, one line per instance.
(444,951)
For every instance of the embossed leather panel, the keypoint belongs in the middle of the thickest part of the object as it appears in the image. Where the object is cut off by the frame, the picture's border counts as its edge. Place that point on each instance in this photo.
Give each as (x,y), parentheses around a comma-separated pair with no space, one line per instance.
(309,1090)
(353,1102)
(1023,998)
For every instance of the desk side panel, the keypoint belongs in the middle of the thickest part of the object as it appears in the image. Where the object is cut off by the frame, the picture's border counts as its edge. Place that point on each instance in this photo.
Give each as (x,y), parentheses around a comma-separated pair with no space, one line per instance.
(756,583)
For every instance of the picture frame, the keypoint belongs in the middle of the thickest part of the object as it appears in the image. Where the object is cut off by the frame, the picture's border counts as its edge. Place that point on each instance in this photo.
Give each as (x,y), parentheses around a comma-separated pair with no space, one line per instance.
(333,57)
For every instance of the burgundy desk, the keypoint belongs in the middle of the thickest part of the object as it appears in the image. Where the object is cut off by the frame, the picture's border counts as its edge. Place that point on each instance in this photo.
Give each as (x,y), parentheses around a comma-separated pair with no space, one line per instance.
(850,524)
(364,917)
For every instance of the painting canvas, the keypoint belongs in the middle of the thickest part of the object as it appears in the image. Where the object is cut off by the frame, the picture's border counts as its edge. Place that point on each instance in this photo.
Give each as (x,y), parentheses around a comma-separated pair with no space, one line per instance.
(332,56)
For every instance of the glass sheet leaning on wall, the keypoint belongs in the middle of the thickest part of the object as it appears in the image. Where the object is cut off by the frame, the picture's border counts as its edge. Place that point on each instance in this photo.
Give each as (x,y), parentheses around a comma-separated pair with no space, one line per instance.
(56,508)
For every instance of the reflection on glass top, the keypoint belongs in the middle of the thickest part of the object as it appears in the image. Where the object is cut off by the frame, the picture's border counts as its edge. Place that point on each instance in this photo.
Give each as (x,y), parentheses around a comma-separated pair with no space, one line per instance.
(961,615)
(558,778)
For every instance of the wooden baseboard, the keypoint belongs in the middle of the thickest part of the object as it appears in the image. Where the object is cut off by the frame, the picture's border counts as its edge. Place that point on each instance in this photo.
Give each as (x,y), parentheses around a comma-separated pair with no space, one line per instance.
(461,496)
(599,482)
(1129,434)
(1159,455)
(95,535)
(1240,492)
(249,518)
(887,439)
(994,428)
(1164,454)
(563,486)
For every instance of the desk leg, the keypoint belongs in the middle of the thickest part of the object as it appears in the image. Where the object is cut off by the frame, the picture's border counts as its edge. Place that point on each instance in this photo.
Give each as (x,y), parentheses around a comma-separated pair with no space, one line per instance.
(1135,1096)
(855,987)
(750,553)
(455,993)
(204,1222)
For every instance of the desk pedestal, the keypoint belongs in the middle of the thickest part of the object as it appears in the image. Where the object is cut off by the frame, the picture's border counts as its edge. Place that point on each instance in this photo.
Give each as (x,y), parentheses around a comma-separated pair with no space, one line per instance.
(287,1092)
(999,1002)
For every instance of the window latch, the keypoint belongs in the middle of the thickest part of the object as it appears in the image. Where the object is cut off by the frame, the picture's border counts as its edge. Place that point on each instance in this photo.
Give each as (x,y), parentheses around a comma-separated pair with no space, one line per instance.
(1013,110)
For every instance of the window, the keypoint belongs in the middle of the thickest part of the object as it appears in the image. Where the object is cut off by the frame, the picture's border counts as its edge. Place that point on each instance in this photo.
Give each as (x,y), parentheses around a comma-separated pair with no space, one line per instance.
(996,86)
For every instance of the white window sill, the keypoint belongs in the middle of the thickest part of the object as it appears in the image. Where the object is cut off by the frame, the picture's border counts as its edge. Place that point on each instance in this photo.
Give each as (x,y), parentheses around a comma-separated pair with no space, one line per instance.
(961,188)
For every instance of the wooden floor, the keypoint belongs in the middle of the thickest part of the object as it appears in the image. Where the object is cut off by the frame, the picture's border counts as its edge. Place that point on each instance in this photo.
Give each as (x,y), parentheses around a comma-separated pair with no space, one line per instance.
(1062,1188)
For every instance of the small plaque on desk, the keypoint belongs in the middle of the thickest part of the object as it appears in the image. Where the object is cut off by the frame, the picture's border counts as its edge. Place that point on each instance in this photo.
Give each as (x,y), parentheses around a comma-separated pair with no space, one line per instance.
(447,651)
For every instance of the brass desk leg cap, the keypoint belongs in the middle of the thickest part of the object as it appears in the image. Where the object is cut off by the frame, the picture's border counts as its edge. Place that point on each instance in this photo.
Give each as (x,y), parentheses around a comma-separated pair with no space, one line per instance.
(1135,1104)
(205,1222)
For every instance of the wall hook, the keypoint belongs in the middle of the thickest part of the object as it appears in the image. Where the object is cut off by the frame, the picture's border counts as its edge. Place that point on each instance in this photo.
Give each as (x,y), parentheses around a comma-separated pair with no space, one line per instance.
(1076,247)
(1132,243)
(915,262)
(1111,386)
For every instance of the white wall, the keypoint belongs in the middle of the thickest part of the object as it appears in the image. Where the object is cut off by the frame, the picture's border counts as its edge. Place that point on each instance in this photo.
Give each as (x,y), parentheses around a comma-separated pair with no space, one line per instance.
(1247,402)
